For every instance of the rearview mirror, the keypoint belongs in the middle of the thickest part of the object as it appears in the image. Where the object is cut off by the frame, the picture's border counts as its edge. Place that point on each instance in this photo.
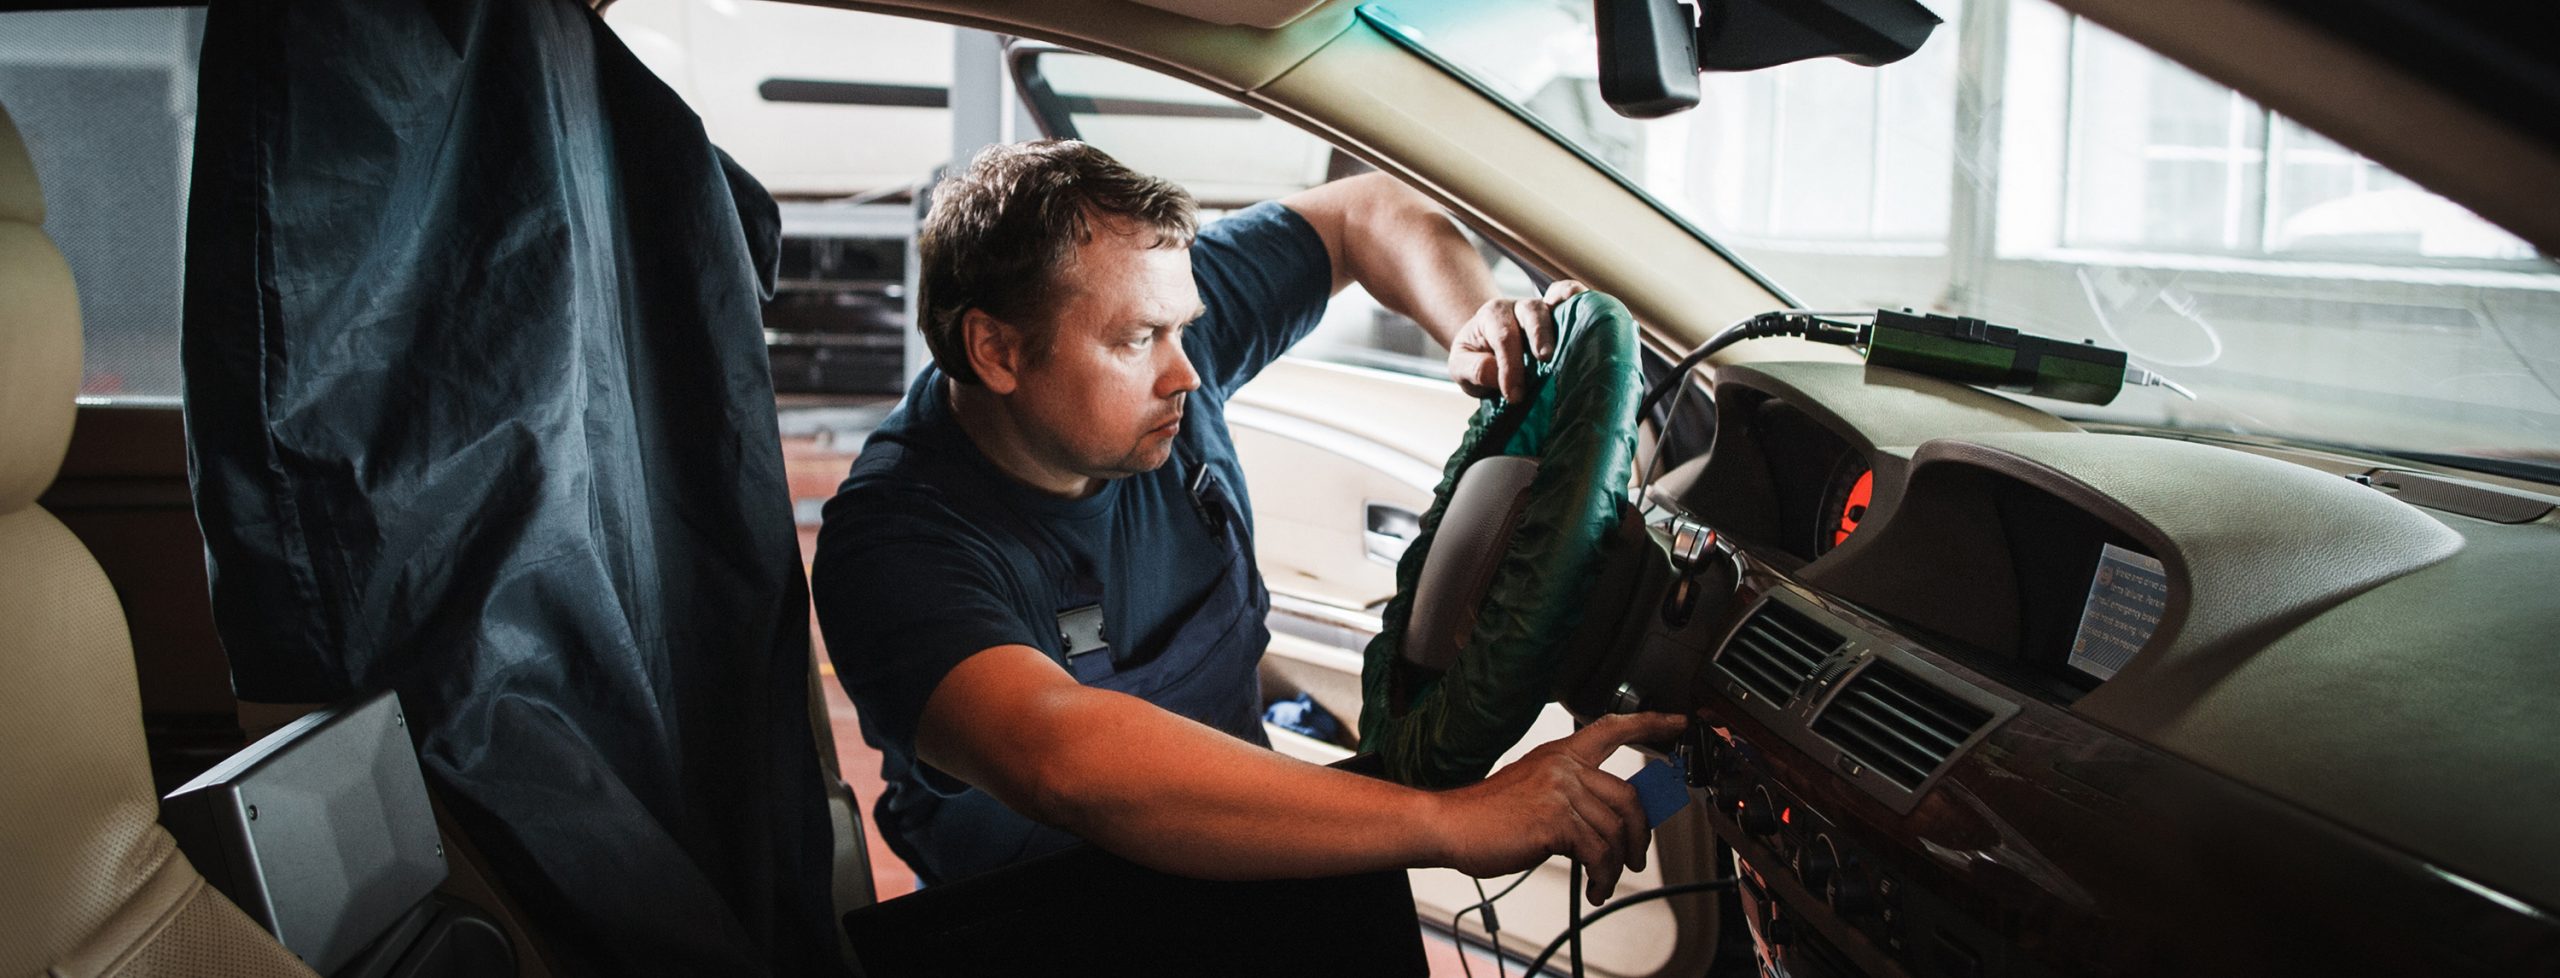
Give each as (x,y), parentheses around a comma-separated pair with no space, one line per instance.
(1652,50)
(1648,56)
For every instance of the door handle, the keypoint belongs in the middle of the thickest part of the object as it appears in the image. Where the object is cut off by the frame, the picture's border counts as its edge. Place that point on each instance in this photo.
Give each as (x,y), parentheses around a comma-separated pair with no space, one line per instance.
(1388,530)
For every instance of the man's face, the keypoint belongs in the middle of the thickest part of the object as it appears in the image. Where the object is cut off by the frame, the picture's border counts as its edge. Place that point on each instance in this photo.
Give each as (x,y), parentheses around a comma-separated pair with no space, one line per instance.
(1106,399)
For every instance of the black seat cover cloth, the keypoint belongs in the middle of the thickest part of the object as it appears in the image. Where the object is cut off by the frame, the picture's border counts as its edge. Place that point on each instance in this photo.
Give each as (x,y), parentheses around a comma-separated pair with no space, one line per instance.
(480,411)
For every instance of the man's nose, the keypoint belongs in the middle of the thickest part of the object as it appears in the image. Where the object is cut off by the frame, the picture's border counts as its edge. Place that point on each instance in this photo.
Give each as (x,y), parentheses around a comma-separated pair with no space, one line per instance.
(1177,377)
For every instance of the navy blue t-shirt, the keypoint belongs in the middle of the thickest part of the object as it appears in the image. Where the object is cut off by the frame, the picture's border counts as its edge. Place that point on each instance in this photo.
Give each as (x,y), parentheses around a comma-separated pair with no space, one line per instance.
(923,561)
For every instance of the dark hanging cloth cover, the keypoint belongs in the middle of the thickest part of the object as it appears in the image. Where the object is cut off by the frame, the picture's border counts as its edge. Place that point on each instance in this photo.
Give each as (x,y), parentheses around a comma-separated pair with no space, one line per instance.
(480,412)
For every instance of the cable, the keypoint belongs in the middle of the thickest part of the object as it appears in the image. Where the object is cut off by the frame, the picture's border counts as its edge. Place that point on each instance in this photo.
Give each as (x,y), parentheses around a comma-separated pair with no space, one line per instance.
(1491,935)
(1782,322)
(1513,885)
(1575,930)
(1573,923)
(1492,926)
(1817,326)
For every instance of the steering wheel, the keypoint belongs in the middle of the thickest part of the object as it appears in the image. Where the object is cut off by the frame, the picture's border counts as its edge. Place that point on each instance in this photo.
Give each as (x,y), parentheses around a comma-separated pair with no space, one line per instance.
(1497,579)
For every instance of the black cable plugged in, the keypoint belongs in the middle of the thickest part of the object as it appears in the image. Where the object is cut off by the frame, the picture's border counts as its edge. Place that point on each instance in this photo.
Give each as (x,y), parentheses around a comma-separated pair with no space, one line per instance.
(1819,327)
(1575,929)
(1572,924)
(1816,326)
(1492,924)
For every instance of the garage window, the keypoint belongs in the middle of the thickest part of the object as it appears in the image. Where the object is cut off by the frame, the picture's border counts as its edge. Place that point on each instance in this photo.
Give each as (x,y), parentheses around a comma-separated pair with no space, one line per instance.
(105,100)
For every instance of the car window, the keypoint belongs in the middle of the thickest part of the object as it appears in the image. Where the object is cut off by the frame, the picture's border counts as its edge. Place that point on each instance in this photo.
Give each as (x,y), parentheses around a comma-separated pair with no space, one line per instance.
(105,100)
(817,103)
(1226,154)
(1229,155)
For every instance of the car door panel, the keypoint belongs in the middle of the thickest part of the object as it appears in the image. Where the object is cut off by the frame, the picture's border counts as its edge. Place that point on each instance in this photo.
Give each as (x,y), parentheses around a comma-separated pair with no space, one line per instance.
(1321,444)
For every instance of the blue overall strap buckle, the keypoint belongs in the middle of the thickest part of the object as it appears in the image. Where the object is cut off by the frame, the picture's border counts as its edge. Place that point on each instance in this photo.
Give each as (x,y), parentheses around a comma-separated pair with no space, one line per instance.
(1199,492)
(1080,635)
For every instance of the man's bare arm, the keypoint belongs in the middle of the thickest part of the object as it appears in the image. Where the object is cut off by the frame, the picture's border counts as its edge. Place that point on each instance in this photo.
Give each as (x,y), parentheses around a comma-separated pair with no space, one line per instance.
(1399,245)
(1179,796)
(1411,256)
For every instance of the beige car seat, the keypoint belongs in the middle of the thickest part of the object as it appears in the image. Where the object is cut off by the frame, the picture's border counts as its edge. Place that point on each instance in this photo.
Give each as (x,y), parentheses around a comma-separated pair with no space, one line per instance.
(90,884)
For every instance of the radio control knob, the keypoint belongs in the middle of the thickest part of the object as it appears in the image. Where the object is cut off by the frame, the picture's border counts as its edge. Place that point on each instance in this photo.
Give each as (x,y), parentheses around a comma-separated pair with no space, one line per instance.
(1760,815)
(1730,787)
(1817,862)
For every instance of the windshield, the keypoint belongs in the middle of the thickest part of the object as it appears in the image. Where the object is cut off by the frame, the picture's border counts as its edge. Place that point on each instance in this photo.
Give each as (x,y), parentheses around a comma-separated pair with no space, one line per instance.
(2030,168)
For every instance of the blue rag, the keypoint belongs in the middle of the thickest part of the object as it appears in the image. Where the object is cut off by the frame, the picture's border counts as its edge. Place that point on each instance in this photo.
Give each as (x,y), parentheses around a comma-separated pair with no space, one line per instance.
(1301,714)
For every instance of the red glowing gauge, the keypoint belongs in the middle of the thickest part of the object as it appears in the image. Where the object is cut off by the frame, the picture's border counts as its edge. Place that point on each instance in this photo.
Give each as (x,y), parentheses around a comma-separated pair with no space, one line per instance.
(1854,508)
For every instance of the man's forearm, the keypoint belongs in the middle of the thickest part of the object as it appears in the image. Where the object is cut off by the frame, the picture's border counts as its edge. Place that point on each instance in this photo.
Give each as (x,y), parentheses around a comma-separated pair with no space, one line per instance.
(1179,796)
(1414,260)
(1404,249)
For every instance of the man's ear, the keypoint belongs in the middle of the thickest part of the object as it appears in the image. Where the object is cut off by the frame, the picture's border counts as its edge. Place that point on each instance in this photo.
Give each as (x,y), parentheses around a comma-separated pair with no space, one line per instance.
(995,350)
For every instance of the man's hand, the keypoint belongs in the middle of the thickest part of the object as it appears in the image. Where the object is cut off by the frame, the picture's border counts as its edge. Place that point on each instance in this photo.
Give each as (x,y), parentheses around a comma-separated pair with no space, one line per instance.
(1490,354)
(1557,802)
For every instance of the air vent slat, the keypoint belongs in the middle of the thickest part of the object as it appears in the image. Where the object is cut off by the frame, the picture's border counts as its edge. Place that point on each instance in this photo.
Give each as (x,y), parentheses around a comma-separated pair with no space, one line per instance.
(1892,747)
(1760,677)
(1795,662)
(1898,724)
(1772,654)
(1944,744)
(1795,640)
(1806,656)
(1953,716)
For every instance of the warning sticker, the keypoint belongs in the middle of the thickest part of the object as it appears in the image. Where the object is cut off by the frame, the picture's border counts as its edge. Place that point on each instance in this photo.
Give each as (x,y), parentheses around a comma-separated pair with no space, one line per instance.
(2127,596)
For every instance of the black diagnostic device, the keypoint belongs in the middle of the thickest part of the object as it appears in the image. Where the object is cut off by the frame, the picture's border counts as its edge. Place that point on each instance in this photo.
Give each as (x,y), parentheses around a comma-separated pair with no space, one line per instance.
(1971,351)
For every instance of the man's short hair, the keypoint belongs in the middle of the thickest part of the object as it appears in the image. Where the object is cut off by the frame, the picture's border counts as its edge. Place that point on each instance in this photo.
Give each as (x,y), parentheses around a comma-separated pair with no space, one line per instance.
(1002,235)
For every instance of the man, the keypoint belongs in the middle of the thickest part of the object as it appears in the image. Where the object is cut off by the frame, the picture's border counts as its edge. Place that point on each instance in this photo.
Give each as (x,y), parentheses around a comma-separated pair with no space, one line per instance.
(1037,582)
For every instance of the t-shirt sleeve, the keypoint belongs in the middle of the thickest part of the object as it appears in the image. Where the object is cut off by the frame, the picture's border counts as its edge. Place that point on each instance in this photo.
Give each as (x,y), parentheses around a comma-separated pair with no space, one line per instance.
(1264,276)
(902,600)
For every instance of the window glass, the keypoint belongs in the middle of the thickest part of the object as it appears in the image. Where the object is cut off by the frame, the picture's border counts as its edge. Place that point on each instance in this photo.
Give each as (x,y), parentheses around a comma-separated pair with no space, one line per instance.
(105,102)
(2035,170)
(1229,155)
(1226,154)
(815,102)
(2160,157)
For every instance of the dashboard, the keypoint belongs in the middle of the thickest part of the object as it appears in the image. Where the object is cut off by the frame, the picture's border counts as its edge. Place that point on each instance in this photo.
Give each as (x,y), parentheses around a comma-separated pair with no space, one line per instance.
(1995,694)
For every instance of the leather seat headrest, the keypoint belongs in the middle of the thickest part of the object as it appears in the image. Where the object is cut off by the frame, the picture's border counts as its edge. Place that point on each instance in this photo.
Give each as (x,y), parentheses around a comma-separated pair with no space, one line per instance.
(39,334)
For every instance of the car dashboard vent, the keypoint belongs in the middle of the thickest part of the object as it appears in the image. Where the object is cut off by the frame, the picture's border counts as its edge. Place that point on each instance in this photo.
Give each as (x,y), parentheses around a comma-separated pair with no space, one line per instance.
(1898,725)
(1773,653)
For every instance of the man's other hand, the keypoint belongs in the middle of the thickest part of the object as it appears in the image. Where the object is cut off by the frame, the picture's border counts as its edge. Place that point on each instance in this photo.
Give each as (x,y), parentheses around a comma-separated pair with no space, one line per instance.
(1557,802)
(1490,355)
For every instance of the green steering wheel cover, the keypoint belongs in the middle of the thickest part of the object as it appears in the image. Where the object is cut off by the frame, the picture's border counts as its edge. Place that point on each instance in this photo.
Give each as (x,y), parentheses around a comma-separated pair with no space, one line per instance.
(1580,425)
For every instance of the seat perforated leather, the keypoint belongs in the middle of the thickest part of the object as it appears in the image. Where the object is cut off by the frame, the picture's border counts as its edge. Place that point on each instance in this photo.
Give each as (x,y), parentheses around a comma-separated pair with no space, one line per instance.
(90,885)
